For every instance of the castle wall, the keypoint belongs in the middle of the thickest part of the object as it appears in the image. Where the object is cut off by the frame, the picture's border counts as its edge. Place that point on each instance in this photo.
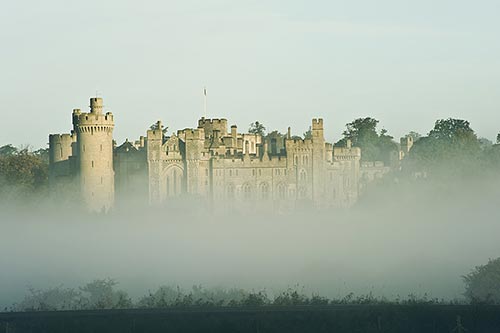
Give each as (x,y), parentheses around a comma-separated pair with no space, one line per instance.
(62,166)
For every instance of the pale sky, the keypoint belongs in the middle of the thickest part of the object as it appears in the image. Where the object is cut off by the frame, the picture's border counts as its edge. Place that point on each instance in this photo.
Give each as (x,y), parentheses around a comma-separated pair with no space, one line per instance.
(406,63)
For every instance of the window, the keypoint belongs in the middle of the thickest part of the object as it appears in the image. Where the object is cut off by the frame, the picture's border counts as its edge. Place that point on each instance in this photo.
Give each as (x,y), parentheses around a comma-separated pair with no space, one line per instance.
(92,163)
(247,191)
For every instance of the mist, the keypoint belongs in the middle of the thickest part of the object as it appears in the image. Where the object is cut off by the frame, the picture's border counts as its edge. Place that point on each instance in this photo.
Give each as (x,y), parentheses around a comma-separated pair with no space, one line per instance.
(399,239)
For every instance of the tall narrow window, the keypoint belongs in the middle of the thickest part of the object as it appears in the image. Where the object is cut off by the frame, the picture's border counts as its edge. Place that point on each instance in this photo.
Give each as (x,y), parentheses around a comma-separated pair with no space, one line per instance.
(92,163)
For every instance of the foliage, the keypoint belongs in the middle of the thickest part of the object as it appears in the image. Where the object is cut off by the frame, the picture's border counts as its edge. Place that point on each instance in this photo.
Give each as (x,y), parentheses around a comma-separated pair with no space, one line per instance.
(100,294)
(167,296)
(22,172)
(308,133)
(374,146)
(414,135)
(52,299)
(482,285)
(155,126)
(257,128)
(8,150)
(450,149)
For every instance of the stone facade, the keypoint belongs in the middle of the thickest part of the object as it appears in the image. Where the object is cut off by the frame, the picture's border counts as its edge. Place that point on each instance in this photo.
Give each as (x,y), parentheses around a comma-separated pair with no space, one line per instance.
(210,163)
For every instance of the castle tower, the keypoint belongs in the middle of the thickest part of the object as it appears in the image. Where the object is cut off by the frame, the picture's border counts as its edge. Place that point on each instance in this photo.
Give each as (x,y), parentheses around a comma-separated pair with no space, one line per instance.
(94,132)
(318,160)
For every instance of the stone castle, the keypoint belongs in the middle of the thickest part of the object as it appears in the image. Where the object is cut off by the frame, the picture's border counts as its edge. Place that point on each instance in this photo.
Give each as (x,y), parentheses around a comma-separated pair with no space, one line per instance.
(211,163)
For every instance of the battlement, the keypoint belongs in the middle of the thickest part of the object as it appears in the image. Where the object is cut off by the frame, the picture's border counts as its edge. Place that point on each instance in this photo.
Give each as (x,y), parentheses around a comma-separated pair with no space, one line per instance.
(61,139)
(86,122)
(317,123)
(345,153)
(215,124)
(298,144)
(192,134)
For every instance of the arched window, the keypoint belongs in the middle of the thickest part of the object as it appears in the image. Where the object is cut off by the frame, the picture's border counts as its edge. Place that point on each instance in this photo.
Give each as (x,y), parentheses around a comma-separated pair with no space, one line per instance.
(247,191)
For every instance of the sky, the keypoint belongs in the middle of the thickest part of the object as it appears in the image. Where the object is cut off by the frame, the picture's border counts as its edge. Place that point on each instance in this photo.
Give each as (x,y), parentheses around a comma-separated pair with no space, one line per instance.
(405,63)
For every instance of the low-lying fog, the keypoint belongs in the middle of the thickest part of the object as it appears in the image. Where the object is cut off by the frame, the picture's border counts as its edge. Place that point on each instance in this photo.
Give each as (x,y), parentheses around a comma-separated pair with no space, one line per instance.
(418,240)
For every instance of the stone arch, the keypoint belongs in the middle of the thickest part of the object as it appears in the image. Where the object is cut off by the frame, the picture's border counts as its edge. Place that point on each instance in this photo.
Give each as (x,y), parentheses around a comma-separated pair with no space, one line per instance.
(172,179)
(247,191)
(281,189)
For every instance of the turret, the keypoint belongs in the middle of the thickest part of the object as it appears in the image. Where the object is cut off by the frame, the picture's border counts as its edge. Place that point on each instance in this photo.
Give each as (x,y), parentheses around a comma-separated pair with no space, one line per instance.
(94,132)
(96,105)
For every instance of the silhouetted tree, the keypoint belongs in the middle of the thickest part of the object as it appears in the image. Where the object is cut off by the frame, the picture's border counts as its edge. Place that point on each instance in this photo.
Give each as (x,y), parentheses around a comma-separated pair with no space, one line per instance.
(102,295)
(8,150)
(257,128)
(154,127)
(374,147)
(450,148)
(483,283)
(308,133)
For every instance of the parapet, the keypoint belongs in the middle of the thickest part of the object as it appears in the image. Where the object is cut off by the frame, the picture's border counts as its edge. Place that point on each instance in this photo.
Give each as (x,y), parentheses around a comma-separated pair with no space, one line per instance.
(192,134)
(317,123)
(209,125)
(94,120)
(83,121)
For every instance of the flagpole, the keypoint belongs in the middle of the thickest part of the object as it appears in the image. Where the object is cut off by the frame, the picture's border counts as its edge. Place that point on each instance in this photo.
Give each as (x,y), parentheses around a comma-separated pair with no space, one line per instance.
(204,102)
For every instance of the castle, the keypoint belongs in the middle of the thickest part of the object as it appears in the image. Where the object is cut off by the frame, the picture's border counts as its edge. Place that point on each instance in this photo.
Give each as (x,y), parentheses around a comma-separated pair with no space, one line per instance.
(210,163)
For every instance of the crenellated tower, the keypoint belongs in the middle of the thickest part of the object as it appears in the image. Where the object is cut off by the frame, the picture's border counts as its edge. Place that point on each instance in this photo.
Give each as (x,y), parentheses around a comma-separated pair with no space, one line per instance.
(95,173)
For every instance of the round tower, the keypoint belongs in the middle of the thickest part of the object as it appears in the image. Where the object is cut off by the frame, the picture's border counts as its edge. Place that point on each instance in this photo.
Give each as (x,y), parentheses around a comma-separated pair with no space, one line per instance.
(95,156)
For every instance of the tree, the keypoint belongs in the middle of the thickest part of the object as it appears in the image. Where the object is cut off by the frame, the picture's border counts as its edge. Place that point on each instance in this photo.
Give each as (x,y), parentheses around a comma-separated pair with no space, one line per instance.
(52,299)
(454,131)
(8,150)
(308,133)
(374,147)
(414,135)
(483,283)
(498,138)
(154,127)
(24,171)
(257,128)
(101,295)
(451,149)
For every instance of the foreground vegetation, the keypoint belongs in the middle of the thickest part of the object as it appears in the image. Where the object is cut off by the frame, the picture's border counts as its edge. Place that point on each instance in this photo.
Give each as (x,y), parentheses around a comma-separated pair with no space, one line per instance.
(482,287)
